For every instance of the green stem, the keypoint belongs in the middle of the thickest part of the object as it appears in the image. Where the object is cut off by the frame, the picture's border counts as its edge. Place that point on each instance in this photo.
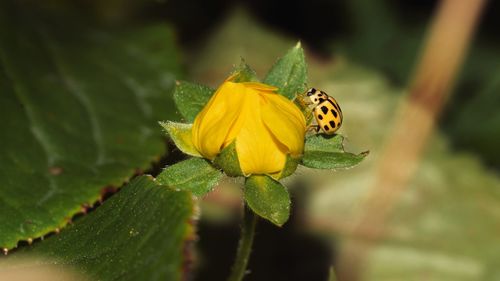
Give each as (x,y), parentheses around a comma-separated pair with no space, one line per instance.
(244,246)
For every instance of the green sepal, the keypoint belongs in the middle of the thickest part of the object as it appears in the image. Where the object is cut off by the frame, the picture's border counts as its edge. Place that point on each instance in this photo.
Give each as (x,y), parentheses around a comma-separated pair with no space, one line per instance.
(195,174)
(325,143)
(327,152)
(300,101)
(180,133)
(190,98)
(291,165)
(244,73)
(267,198)
(289,73)
(228,161)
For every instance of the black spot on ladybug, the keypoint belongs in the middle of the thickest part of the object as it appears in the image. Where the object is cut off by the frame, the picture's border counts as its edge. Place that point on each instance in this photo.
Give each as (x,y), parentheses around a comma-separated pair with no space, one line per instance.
(320,117)
(326,128)
(324,109)
(315,99)
(334,113)
(334,104)
(321,100)
(332,123)
(311,92)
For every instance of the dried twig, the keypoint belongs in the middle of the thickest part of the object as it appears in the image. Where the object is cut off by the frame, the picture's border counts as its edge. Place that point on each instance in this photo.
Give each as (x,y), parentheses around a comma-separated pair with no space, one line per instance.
(442,56)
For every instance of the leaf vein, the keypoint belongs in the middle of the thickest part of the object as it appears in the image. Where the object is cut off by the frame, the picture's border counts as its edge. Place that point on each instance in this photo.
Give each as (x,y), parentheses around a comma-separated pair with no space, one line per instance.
(80,96)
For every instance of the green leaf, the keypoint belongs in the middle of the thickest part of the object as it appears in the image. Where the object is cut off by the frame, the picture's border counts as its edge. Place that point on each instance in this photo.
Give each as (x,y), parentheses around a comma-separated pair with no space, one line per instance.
(190,98)
(196,175)
(327,152)
(141,233)
(268,198)
(289,73)
(228,161)
(180,134)
(79,109)
(244,73)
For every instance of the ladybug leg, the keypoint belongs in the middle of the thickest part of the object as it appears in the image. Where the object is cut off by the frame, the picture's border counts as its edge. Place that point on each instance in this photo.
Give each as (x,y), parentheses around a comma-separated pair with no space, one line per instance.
(308,116)
(303,103)
(314,128)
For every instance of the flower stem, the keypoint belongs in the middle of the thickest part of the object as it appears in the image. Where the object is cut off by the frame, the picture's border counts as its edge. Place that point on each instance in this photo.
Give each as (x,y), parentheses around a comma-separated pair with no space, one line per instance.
(244,246)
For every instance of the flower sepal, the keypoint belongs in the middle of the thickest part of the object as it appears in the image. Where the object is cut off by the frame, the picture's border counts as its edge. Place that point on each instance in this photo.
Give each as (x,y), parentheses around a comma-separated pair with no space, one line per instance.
(180,134)
(194,174)
(267,198)
(327,152)
(243,73)
(228,161)
(291,165)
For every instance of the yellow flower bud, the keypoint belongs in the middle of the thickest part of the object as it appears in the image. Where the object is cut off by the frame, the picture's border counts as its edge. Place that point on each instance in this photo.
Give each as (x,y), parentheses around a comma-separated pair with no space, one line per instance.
(265,125)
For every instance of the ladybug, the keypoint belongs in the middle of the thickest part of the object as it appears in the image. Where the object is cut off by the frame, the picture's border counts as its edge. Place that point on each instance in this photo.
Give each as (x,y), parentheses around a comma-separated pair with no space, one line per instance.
(326,111)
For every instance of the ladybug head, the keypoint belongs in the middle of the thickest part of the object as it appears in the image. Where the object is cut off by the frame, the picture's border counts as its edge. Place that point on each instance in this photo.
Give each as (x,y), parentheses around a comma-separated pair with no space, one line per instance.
(315,96)
(311,92)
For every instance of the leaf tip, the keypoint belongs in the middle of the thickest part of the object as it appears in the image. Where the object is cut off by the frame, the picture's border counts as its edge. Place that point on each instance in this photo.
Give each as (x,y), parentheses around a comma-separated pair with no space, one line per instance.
(280,219)
(164,125)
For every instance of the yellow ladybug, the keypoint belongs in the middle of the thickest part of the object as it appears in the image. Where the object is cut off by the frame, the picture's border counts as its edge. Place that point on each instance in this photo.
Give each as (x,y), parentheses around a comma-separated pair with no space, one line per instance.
(326,111)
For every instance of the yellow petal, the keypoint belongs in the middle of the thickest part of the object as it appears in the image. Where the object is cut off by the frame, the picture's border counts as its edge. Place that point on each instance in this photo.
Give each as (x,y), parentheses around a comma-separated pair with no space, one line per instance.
(213,123)
(260,86)
(258,151)
(285,121)
(240,120)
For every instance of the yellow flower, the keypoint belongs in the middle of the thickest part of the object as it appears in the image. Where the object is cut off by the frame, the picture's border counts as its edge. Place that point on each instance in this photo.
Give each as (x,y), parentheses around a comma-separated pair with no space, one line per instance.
(265,126)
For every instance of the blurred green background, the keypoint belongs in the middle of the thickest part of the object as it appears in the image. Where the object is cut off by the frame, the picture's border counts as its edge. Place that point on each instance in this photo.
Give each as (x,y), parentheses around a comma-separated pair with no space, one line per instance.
(446,225)
(384,35)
